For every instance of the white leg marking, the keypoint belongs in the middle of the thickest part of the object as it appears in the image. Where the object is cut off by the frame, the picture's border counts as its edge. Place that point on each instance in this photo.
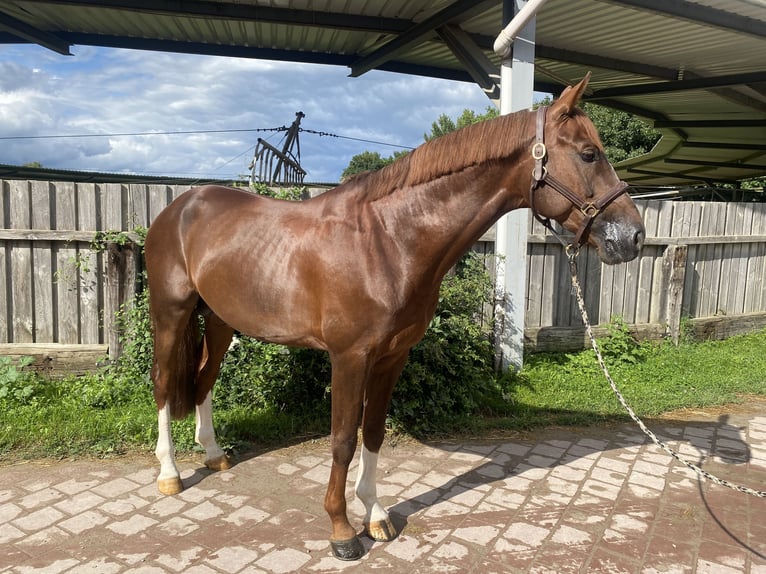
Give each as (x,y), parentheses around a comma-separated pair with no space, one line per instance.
(366,488)
(165,450)
(205,434)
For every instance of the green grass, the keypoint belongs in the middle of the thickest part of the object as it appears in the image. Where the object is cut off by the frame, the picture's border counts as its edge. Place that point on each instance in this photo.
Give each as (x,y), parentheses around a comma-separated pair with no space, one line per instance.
(103,415)
(564,389)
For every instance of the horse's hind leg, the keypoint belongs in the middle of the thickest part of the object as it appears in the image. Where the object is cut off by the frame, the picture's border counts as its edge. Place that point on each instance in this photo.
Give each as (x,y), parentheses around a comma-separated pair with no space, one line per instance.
(377,523)
(215,343)
(171,385)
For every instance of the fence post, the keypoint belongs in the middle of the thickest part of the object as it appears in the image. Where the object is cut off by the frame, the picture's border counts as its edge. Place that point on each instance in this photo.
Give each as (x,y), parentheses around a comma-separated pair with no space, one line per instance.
(673,276)
(121,276)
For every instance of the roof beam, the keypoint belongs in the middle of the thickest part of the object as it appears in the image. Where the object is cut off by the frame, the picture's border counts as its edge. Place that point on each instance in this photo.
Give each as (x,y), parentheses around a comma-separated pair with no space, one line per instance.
(676,175)
(680,85)
(605,62)
(699,14)
(726,145)
(723,124)
(31,34)
(249,13)
(483,71)
(255,53)
(731,164)
(420,32)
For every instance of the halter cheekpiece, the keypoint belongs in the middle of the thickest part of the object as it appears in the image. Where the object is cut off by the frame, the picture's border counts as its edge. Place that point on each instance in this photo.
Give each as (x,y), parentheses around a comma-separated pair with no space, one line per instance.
(541,177)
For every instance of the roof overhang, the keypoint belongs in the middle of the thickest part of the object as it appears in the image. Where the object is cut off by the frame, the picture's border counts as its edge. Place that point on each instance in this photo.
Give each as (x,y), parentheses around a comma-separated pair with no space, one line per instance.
(695,69)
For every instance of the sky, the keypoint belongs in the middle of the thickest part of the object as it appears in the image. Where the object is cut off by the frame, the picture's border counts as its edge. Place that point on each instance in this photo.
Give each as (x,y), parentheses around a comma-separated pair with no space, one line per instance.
(102,91)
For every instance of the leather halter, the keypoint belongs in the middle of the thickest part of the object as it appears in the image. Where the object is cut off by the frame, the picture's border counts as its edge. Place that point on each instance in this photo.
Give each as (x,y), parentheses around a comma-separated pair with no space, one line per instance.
(541,177)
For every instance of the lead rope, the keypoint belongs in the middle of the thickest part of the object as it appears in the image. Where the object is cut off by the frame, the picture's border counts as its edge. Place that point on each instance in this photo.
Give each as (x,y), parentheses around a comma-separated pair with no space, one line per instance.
(572,255)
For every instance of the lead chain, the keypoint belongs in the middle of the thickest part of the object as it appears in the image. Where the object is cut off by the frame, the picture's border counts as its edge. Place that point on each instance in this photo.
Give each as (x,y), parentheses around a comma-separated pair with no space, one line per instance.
(572,255)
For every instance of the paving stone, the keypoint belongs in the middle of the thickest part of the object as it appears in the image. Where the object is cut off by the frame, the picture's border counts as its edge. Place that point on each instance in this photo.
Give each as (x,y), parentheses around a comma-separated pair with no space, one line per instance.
(283,561)
(570,536)
(481,535)
(527,534)
(232,558)
(132,525)
(124,505)
(408,548)
(178,526)
(204,511)
(73,486)
(8,512)
(40,497)
(38,519)
(9,533)
(84,521)
(42,540)
(115,487)
(80,502)
(99,566)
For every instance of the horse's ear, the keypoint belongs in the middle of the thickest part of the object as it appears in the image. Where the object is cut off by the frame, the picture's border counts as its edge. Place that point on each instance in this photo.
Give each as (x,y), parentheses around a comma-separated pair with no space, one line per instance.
(569,98)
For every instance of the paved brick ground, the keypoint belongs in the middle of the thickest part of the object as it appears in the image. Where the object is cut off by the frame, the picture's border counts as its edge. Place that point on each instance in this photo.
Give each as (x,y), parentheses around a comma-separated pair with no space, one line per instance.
(588,500)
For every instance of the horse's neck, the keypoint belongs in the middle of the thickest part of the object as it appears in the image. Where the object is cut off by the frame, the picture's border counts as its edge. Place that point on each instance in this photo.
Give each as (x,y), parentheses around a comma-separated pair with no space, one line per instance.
(440,220)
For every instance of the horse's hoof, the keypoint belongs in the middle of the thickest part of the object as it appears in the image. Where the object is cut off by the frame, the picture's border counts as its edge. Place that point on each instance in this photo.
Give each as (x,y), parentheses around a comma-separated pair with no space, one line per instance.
(351,549)
(381,530)
(170,486)
(219,463)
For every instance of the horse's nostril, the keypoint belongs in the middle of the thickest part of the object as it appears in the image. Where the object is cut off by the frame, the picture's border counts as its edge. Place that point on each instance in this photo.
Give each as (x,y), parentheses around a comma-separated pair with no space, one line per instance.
(638,238)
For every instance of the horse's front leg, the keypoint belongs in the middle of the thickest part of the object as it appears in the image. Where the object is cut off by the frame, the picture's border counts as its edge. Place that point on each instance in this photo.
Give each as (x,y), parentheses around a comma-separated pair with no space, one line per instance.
(349,373)
(380,386)
(377,523)
(204,435)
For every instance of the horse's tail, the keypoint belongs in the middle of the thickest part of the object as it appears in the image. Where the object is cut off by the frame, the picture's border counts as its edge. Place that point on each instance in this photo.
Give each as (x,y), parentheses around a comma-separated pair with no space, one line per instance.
(181,382)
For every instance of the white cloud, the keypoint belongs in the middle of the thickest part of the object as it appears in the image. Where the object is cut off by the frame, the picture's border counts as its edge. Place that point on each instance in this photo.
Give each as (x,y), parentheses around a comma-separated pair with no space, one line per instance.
(104,91)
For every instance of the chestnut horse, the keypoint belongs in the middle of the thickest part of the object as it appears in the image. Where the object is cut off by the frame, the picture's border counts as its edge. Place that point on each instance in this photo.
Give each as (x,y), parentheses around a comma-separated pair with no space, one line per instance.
(356,272)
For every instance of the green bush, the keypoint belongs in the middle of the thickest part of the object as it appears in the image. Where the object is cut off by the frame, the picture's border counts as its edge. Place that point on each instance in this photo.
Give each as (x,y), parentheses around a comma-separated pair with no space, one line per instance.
(19,386)
(273,377)
(450,373)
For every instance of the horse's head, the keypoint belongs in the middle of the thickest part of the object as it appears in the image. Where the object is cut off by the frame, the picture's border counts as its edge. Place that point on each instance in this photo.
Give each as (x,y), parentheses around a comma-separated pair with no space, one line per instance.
(574,183)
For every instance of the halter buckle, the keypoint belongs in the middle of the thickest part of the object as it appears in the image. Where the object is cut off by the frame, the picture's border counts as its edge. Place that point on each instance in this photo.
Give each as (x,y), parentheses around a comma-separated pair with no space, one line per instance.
(590,210)
(542,172)
(539,151)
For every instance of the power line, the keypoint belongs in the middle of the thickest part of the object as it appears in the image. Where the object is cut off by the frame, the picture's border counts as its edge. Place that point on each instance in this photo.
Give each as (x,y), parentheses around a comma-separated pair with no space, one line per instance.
(196,132)
(186,132)
(354,139)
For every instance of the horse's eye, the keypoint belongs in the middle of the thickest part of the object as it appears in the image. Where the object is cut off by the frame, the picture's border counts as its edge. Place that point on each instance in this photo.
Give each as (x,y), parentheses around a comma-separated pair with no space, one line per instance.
(589,155)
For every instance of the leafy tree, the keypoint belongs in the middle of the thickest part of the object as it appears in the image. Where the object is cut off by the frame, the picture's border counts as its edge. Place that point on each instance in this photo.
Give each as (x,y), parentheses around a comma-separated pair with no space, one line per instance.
(369,161)
(365,161)
(445,124)
(756,183)
(623,135)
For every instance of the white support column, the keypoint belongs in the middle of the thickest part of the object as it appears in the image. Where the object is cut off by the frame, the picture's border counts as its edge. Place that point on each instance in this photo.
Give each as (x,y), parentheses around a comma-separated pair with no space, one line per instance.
(516,89)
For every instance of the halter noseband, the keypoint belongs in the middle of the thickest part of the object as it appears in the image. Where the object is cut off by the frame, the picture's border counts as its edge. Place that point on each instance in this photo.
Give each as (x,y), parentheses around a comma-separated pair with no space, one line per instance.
(541,177)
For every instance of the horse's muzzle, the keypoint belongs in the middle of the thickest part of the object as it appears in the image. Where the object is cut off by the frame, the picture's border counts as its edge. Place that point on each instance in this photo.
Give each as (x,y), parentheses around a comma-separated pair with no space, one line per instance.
(618,241)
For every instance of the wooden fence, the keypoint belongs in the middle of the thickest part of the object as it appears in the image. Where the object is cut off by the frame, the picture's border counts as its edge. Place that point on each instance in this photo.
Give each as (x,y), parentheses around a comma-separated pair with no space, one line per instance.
(701,260)
(56,292)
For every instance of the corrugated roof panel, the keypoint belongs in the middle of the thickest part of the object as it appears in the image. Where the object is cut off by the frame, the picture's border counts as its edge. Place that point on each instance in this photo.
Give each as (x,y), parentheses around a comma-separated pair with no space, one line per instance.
(755,9)
(625,33)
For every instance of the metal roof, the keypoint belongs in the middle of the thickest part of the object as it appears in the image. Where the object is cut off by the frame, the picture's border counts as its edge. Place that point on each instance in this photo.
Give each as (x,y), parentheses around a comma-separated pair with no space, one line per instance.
(695,68)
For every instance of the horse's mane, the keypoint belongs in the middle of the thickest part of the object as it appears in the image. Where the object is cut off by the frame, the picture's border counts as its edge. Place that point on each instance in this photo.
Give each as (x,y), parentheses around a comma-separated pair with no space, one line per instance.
(450,153)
